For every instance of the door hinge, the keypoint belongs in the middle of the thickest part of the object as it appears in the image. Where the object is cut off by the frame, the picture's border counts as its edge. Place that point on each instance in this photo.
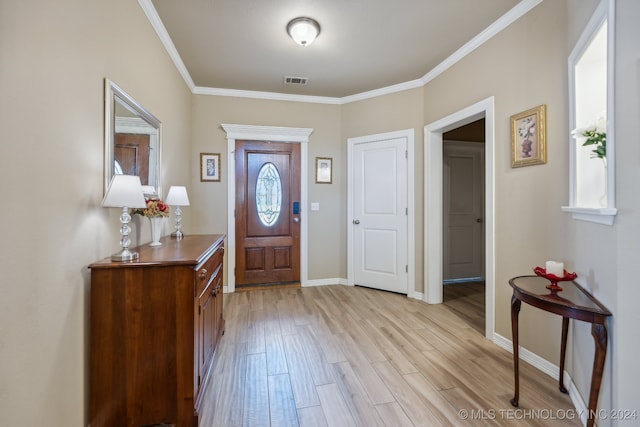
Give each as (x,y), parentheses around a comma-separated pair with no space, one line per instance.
(406,154)
(406,211)
(406,268)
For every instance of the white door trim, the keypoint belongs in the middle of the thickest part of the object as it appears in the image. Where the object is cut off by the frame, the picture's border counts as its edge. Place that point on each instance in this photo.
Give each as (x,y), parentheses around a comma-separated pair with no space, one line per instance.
(433,204)
(265,133)
(408,134)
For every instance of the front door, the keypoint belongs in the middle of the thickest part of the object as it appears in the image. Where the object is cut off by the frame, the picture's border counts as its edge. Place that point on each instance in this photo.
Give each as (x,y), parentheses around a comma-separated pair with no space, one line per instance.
(380,214)
(267,212)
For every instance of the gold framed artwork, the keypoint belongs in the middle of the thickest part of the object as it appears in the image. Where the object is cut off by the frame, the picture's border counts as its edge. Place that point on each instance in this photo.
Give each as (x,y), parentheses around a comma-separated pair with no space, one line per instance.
(210,167)
(324,170)
(528,137)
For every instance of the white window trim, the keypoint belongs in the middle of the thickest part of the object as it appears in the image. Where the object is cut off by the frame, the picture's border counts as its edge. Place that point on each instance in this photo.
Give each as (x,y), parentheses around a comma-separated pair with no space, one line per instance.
(604,12)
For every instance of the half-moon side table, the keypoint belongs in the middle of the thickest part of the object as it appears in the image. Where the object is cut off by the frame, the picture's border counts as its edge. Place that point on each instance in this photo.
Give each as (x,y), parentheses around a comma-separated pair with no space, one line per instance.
(572,302)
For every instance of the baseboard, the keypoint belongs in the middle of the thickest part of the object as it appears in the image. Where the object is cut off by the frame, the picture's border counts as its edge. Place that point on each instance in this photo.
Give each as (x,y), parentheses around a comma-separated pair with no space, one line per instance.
(310,283)
(324,282)
(462,280)
(549,369)
(344,282)
(416,295)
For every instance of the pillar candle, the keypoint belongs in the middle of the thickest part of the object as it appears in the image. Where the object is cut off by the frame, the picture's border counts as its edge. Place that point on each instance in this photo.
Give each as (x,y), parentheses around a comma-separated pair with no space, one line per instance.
(555,268)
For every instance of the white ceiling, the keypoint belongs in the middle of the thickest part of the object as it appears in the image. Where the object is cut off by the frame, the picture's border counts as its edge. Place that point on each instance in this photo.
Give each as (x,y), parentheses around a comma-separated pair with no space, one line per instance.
(364,45)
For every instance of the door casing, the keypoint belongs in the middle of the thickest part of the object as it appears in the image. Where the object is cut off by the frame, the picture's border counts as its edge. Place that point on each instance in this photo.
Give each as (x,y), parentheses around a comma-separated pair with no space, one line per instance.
(433,204)
(265,133)
(408,134)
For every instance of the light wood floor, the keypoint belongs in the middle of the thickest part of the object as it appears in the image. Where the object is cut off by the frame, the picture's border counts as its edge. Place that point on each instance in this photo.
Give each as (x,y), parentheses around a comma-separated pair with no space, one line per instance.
(466,300)
(351,356)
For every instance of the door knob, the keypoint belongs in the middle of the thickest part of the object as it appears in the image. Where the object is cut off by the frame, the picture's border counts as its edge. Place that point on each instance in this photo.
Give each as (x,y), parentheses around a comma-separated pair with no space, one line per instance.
(356,221)
(296,219)
(479,220)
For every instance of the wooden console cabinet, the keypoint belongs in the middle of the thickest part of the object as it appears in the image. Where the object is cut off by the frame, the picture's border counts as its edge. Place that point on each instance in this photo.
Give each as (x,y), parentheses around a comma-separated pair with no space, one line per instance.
(155,324)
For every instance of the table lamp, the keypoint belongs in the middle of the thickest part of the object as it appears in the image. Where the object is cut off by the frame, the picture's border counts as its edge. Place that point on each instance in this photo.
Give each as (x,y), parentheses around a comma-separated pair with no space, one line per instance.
(177,197)
(125,191)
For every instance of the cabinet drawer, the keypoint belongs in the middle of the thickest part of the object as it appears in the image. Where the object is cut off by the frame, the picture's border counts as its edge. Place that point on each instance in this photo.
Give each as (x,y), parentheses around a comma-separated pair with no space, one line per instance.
(210,268)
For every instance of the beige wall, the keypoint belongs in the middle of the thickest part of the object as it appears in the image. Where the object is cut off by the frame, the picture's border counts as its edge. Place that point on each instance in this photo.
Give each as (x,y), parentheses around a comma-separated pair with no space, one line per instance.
(327,241)
(54,57)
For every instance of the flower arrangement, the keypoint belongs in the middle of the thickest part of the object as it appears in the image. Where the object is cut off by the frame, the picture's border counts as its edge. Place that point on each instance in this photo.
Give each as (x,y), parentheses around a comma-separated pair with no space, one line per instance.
(155,208)
(526,130)
(596,135)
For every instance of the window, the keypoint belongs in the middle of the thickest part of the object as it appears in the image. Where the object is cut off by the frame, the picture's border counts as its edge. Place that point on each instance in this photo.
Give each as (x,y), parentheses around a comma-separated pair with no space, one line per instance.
(592,196)
(268,194)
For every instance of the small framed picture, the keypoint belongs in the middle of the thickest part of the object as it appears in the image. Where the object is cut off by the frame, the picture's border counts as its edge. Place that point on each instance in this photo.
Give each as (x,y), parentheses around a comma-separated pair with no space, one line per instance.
(209,166)
(528,137)
(324,170)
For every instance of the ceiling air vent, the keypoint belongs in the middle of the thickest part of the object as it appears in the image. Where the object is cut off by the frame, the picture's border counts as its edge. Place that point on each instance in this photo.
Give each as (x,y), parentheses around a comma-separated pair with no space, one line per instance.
(290,80)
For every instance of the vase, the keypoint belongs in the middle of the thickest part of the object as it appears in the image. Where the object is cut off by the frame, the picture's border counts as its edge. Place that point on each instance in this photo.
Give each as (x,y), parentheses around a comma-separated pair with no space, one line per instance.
(603,197)
(156,230)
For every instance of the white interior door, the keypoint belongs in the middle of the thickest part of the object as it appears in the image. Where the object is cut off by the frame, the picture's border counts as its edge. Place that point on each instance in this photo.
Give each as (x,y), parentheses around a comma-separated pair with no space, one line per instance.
(463,222)
(380,209)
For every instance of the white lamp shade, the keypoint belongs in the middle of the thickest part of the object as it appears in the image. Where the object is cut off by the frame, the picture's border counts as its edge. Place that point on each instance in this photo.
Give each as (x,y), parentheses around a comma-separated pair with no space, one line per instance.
(177,196)
(124,191)
(303,30)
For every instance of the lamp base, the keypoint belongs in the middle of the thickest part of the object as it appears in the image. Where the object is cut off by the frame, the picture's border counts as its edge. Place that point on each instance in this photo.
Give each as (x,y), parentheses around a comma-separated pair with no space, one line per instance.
(178,234)
(125,255)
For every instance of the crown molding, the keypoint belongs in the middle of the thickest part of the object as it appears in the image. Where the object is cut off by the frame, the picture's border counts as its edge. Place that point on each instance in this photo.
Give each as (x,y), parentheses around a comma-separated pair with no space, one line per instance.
(500,24)
(156,23)
(274,96)
(382,91)
(521,9)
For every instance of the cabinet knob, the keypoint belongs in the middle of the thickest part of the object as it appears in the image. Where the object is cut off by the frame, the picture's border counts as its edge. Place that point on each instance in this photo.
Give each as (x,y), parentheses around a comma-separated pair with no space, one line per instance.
(203,274)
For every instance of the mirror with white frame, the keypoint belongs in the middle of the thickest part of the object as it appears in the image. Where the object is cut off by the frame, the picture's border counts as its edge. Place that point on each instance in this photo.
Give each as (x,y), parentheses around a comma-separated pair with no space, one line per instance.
(132,143)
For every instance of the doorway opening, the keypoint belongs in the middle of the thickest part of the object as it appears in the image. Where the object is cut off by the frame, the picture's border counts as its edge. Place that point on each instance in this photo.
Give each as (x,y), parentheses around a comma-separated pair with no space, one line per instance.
(463,222)
(434,223)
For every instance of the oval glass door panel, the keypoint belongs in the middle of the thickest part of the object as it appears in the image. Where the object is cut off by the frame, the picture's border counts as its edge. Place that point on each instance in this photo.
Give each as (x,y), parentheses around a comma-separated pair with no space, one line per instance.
(268,194)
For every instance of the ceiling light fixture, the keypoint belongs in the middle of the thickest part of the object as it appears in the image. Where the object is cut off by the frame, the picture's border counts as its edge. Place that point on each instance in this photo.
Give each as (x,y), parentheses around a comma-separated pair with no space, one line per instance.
(303,30)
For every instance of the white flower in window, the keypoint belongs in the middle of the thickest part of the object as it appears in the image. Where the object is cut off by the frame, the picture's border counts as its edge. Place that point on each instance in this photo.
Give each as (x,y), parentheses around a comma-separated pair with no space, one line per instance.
(595,133)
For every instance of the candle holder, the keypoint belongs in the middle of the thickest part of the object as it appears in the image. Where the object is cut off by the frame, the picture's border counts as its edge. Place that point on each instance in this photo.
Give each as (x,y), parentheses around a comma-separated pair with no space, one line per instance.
(553,286)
